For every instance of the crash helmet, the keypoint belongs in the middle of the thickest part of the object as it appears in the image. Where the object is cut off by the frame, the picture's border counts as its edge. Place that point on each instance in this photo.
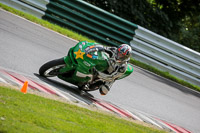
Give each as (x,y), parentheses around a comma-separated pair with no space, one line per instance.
(124,52)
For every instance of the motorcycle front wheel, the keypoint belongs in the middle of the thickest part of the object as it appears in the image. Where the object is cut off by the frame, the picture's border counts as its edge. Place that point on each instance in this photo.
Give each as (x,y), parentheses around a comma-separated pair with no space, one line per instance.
(51,68)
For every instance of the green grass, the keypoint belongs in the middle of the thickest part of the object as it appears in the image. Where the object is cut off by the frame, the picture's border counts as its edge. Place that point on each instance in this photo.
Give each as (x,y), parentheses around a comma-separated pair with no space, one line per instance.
(30,113)
(79,37)
(47,24)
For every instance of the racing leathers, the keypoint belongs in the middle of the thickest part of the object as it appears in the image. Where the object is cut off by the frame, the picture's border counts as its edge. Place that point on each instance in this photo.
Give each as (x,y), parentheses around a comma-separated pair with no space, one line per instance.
(115,70)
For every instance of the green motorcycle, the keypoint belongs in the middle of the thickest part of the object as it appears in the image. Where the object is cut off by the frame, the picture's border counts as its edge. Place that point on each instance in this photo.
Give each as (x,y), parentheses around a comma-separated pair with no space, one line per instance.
(82,67)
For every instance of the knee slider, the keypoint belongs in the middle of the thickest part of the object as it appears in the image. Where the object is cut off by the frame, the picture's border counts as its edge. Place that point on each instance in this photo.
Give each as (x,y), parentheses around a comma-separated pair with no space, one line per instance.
(104,89)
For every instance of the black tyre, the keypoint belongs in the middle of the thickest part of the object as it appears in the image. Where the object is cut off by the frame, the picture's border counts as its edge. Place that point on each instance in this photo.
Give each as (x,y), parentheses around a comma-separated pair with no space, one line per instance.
(52,68)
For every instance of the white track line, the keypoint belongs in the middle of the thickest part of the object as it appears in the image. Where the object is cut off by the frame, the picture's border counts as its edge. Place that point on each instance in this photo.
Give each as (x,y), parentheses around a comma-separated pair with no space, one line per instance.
(133,115)
(149,120)
(63,93)
(2,80)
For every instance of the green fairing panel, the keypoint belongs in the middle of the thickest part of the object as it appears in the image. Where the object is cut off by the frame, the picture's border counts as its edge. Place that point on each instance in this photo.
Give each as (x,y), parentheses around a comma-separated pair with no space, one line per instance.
(129,70)
(87,57)
(81,59)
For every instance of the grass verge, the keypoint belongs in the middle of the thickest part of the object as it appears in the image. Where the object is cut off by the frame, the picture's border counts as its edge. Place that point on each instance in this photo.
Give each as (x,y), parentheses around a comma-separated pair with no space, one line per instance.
(30,113)
(79,37)
(164,74)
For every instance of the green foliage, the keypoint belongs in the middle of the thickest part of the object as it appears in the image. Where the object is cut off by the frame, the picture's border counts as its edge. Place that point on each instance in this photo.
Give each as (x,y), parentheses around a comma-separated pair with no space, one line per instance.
(169,18)
(185,16)
(20,113)
(139,12)
(190,34)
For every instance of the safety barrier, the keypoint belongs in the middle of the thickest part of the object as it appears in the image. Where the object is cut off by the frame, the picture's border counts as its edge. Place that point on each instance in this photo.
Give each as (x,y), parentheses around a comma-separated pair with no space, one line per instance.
(90,20)
(107,28)
(166,55)
(34,7)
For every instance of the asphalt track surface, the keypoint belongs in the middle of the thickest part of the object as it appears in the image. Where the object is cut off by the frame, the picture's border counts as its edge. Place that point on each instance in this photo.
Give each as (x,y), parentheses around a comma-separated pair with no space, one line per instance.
(25,46)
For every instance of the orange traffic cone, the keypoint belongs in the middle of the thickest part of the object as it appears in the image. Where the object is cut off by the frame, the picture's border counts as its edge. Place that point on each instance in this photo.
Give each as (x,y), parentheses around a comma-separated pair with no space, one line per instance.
(24,87)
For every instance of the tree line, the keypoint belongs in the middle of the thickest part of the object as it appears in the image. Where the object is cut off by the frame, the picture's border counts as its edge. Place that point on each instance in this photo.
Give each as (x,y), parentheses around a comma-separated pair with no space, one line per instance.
(178,20)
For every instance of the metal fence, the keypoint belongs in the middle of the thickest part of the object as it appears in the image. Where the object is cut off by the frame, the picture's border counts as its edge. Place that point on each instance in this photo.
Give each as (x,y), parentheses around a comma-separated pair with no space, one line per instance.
(90,21)
(166,55)
(110,29)
(34,7)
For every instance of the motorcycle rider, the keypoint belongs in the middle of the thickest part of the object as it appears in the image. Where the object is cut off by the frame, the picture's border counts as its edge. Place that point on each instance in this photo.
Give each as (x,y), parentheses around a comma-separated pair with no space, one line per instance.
(117,64)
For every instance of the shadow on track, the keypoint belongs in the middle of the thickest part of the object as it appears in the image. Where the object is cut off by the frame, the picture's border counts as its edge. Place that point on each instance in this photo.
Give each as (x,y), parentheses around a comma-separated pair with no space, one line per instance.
(72,90)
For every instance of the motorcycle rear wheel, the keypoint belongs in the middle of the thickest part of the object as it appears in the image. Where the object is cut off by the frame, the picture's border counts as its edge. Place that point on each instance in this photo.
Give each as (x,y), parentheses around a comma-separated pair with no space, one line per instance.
(51,68)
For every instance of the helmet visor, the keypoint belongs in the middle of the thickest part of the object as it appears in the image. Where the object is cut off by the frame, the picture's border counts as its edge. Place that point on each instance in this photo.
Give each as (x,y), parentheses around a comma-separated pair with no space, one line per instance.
(123,52)
(121,57)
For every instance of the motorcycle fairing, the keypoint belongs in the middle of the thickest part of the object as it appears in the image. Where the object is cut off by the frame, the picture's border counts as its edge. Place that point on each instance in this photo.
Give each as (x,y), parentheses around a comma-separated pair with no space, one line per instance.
(81,60)
(81,64)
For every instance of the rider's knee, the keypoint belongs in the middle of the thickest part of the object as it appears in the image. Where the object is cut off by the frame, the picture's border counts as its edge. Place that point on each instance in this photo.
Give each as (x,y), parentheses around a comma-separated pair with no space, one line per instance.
(104,89)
